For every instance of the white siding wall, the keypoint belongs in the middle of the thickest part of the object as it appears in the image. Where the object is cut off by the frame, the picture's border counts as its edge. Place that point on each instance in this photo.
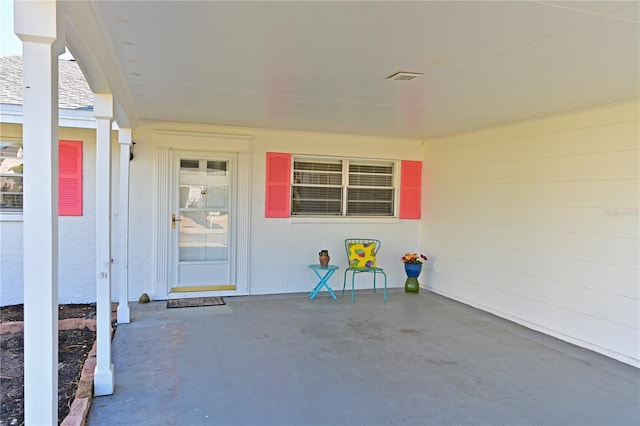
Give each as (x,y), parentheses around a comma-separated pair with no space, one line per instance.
(538,222)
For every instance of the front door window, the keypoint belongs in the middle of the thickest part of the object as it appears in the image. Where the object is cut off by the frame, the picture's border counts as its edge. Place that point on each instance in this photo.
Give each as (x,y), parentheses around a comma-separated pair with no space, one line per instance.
(202,227)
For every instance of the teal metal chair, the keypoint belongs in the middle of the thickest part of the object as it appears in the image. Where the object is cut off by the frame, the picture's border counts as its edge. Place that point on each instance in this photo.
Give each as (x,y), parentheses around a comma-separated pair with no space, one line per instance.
(361,254)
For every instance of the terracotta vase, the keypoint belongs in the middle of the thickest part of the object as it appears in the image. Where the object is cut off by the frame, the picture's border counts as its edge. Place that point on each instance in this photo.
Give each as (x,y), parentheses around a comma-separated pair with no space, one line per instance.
(324,258)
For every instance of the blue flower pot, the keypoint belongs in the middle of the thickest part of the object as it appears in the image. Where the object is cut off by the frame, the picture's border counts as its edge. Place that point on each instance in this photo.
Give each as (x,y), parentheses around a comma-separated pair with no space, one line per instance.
(413,269)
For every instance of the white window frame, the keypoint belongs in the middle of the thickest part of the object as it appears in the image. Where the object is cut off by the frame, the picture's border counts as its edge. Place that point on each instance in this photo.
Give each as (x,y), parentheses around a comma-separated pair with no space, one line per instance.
(345,161)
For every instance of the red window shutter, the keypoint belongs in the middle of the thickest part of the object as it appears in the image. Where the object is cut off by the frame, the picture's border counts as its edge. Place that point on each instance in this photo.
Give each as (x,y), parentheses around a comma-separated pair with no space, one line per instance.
(410,189)
(70,178)
(277,198)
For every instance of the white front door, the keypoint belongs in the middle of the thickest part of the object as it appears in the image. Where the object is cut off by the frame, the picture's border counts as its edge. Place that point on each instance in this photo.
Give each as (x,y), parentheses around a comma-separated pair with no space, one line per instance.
(203,229)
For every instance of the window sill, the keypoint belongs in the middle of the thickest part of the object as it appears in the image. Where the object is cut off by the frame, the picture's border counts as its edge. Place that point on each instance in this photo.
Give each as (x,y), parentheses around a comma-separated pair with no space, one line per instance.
(343,219)
(10,217)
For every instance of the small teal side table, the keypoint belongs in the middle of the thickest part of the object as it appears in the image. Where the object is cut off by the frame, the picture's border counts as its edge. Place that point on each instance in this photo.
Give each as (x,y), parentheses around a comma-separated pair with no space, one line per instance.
(323,273)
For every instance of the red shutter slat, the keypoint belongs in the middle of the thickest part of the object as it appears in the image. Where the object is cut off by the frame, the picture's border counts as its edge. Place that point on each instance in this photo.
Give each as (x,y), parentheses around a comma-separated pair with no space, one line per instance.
(277,198)
(410,189)
(70,178)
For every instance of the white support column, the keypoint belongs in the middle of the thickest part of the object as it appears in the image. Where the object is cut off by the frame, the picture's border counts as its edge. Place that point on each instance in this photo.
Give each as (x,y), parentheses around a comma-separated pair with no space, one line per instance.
(124,138)
(39,26)
(103,376)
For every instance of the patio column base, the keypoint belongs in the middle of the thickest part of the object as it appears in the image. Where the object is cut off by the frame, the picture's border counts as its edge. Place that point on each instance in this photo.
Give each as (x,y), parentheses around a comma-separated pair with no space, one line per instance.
(124,316)
(103,382)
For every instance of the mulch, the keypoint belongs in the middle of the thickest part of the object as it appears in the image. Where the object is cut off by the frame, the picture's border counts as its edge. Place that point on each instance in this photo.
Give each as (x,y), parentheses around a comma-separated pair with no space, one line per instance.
(73,347)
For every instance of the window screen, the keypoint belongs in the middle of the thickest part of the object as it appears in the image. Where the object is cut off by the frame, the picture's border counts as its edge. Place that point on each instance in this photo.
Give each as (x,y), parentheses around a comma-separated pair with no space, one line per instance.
(370,189)
(342,188)
(316,188)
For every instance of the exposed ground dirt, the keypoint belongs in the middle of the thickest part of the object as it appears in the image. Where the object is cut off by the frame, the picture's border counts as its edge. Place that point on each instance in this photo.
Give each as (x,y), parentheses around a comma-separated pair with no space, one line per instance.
(73,347)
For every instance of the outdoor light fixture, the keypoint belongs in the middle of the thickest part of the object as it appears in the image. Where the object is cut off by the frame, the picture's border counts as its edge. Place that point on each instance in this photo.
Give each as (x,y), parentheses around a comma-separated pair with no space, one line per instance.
(131,148)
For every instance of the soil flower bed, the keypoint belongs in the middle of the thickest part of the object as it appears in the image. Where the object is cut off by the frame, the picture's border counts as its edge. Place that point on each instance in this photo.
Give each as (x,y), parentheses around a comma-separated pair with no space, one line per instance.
(73,348)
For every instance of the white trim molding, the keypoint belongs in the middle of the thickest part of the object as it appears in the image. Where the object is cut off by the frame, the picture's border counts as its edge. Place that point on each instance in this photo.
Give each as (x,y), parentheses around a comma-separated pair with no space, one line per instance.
(161,236)
(168,141)
(124,316)
(243,220)
(79,119)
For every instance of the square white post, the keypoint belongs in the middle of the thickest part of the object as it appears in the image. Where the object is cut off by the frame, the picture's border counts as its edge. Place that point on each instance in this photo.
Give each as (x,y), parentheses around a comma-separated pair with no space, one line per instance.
(124,138)
(103,383)
(39,26)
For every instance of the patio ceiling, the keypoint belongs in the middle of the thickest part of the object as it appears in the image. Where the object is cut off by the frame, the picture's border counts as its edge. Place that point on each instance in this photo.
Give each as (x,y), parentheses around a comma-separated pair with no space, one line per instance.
(323,66)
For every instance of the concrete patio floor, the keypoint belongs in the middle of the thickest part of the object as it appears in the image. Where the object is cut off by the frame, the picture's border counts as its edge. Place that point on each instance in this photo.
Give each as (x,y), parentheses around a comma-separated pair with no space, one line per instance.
(418,359)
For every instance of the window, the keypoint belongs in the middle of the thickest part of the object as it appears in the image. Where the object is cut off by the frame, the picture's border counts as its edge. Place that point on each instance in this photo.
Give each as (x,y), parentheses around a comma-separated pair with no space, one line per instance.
(332,187)
(11,168)
(365,188)
(371,189)
(69,177)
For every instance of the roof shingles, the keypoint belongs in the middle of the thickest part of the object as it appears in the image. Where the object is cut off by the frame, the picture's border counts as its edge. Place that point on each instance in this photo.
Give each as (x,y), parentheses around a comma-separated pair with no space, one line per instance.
(73,90)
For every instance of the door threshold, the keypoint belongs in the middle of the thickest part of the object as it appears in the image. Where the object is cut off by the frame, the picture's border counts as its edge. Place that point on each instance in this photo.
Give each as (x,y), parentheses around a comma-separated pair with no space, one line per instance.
(198,289)
(187,295)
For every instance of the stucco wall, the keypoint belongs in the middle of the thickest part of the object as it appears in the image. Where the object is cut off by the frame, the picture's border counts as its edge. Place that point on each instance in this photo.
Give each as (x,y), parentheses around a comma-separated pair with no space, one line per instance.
(538,222)
(11,265)
(77,235)
(280,249)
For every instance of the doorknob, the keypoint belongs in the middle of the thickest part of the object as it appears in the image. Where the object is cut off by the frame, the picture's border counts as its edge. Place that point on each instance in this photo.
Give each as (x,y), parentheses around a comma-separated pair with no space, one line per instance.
(174,220)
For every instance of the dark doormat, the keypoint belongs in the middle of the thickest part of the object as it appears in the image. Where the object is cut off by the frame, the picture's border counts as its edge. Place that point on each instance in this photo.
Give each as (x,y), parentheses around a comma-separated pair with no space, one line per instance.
(194,301)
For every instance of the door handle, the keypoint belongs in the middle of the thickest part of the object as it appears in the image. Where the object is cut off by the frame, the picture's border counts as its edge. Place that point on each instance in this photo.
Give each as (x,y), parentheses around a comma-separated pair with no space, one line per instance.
(174,220)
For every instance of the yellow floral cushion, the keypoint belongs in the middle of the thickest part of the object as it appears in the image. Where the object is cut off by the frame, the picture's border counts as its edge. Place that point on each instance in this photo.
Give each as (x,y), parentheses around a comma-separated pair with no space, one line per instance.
(361,255)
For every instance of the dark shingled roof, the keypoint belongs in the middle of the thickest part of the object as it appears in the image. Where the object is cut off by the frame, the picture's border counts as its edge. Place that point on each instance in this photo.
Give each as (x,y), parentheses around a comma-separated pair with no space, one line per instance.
(73,90)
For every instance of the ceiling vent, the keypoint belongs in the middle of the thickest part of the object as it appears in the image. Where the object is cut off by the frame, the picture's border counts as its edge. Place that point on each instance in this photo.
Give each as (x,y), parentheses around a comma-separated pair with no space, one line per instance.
(405,76)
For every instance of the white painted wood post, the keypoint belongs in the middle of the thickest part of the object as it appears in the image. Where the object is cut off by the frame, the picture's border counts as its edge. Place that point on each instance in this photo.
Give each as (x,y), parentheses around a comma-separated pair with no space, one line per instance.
(124,138)
(103,379)
(39,26)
